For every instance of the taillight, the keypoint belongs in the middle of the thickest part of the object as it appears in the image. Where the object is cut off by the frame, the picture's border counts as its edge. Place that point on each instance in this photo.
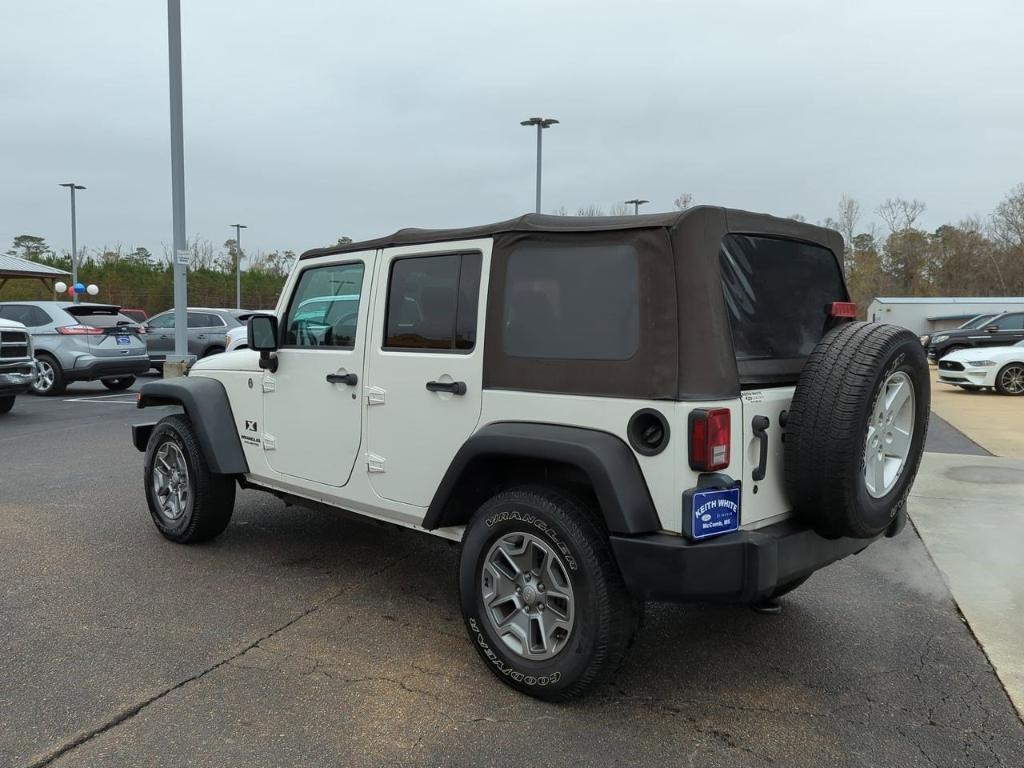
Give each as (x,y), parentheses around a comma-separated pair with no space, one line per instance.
(843,309)
(80,330)
(710,438)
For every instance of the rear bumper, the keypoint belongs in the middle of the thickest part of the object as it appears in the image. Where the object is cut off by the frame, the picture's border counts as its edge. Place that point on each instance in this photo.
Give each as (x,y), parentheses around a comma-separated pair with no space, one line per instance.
(103,369)
(740,567)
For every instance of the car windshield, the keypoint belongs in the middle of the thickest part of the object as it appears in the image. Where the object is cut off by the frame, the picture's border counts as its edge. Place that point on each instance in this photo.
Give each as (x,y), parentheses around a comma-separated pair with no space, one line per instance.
(976,322)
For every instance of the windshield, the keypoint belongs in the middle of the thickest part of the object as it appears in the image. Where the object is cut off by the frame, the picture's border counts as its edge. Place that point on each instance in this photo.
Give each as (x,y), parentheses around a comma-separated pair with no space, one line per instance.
(976,322)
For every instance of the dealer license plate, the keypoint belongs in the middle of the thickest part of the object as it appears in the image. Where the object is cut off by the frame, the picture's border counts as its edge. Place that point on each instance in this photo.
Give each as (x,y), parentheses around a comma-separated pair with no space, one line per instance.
(714,511)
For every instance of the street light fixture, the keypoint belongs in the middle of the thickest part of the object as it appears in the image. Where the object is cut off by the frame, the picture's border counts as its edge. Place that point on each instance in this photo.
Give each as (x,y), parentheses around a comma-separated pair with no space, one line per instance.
(74,236)
(541,123)
(636,203)
(238,263)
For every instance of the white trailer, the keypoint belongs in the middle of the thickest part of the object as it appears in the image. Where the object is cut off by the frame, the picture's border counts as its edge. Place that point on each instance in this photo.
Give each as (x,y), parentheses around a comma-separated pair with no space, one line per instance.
(926,314)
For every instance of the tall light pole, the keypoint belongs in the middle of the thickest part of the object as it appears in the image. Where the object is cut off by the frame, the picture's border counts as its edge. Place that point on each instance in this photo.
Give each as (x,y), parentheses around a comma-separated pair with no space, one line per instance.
(636,203)
(177,183)
(541,123)
(74,235)
(238,263)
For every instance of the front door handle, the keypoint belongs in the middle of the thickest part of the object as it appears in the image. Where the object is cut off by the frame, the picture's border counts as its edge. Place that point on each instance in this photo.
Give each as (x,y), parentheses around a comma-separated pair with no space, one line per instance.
(454,387)
(759,426)
(343,378)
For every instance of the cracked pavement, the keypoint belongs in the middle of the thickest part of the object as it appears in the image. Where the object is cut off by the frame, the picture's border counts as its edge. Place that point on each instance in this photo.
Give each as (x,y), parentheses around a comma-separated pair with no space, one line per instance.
(301,638)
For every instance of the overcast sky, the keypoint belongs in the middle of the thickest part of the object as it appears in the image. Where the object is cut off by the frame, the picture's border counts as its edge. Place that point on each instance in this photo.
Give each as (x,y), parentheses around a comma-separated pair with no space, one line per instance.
(311,119)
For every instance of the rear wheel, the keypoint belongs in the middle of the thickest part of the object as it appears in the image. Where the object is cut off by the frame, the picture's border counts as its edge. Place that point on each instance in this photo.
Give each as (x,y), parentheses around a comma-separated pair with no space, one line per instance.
(121,382)
(49,379)
(1010,380)
(542,598)
(187,502)
(6,403)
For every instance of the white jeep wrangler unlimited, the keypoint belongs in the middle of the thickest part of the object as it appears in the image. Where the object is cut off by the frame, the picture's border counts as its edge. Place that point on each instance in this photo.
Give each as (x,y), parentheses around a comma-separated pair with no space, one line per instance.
(603,411)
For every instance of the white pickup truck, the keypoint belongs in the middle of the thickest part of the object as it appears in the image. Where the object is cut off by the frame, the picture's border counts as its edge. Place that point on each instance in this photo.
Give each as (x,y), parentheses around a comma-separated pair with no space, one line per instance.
(17,366)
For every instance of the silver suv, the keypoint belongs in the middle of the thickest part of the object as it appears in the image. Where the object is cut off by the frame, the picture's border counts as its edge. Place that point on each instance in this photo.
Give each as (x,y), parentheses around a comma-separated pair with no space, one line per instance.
(80,342)
(207,332)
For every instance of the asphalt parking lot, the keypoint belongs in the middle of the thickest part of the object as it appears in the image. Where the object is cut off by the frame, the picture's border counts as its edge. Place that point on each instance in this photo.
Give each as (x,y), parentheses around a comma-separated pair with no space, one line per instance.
(302,638)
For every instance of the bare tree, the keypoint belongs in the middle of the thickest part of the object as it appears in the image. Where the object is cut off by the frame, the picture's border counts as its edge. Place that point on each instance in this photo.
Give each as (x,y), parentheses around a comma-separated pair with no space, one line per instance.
(619,209)
(560,211)
(899,214)
(849,215)
(590,210)
(1008,219)
(684,201)
(797,217)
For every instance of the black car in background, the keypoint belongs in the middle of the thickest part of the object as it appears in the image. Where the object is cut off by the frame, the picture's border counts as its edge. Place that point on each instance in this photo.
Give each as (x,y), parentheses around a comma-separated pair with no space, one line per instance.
(1002,330)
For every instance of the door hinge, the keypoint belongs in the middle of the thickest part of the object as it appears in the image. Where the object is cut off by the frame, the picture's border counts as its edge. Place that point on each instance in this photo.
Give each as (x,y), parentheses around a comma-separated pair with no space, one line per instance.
(375,395)
(374,463)
(269,442)
(269,383)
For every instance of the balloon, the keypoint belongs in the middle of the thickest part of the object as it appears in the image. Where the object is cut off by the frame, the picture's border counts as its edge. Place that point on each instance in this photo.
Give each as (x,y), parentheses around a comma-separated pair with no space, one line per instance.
(92,290)
(79,288)
(71,290)
(60,286)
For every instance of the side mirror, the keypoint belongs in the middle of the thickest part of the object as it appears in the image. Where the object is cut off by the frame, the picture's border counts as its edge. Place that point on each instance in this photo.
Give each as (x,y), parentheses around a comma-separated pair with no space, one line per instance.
(991,328)
(262,333)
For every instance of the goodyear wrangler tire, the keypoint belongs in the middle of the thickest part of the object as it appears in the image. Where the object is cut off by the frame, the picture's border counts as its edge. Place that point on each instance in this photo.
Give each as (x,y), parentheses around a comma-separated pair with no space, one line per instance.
(855,430)
(542,598)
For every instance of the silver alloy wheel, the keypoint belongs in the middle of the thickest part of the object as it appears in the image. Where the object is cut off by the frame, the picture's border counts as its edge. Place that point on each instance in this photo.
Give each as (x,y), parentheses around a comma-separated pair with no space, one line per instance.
(890,433)
(171,481)
(527,596)
(1012,379)
(43,381)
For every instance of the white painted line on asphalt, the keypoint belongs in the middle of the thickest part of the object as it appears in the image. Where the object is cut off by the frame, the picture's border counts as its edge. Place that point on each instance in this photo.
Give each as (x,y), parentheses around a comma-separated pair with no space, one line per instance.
(101,399)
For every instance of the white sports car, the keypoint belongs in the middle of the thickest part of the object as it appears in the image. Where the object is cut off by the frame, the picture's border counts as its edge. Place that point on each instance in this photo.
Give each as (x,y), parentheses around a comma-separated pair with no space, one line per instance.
(1001,368)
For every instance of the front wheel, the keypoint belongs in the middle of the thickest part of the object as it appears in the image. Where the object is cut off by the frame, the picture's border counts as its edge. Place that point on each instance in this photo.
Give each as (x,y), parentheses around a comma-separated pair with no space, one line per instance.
(543,600)
(121,382)
(49,378)
(1010,380)
(187,502)
(6,403)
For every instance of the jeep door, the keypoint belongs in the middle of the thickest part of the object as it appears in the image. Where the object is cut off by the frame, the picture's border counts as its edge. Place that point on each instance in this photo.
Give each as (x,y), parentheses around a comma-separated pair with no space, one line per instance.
(425,367)
(311,405)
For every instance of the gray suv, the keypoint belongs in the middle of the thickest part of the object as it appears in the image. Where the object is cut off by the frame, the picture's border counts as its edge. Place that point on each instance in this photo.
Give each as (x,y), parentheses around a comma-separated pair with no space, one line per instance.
(80,342)
(207,332)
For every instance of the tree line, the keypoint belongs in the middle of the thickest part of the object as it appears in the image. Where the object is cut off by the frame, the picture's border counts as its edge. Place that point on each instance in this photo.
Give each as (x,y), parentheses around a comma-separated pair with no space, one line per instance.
(135,277)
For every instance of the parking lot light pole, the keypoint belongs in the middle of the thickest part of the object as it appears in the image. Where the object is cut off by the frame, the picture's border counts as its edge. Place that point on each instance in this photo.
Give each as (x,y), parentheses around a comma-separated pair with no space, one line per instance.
(238,263)
(177,184)
(636,203)
(541,123)
(74,235)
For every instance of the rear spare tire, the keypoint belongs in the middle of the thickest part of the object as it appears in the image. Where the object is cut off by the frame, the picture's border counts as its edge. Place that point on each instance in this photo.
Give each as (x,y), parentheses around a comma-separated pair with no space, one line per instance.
(855,430)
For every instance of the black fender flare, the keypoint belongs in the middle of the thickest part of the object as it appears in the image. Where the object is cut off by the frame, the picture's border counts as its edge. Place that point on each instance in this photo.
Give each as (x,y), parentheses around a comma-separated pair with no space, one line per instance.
(607,461)
(207,406)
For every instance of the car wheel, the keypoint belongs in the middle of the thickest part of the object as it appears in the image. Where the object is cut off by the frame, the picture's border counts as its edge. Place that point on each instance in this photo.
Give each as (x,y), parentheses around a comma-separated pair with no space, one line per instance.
(213,351)
(1010,380)
(6,403)
(856,427)
(543,600)
(188,503)
(121,382)
(49,378)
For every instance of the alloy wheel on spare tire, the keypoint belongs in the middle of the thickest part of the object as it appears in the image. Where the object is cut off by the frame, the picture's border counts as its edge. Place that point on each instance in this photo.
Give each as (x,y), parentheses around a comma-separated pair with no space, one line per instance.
(856,427)
(543,600)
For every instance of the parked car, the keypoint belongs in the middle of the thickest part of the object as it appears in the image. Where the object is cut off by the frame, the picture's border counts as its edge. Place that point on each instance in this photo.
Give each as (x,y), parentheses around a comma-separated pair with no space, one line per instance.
(975,322)
(615,436)
(17,367)
(80,342)
(1002,330)
(999,368)
(138,315)
(207,332)
(238,338)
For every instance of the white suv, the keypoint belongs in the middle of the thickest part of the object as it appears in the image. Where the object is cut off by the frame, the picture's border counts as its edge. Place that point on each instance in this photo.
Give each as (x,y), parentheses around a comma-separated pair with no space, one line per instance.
(602,411)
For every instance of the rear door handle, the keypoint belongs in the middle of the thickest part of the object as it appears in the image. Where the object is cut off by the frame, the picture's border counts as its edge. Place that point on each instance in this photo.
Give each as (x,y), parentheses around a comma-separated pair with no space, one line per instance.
(343,378)
(454,387)
(759,426)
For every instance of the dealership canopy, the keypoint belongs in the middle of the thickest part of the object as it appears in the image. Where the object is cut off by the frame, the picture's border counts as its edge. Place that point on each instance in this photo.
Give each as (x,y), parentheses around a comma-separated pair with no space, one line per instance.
(12,267)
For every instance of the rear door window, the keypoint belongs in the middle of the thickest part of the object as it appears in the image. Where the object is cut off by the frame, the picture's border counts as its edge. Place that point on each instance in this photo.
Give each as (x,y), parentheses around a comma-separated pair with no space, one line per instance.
(778,294)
